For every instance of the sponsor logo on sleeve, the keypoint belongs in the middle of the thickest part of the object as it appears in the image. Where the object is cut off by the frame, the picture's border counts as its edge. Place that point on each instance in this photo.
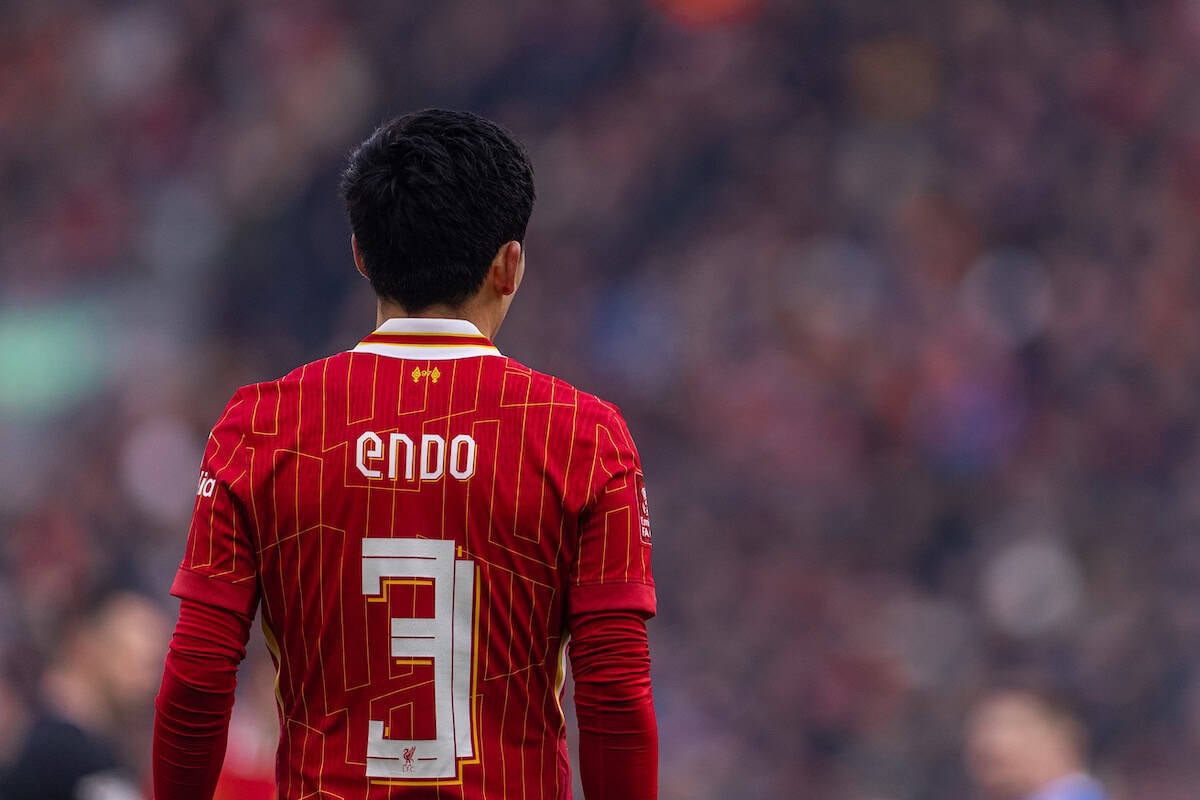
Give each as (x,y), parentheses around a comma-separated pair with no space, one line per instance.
(206,486)
(644,514)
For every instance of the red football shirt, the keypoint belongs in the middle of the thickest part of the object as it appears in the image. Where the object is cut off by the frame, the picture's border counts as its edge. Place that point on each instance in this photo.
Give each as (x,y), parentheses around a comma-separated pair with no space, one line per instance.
(418,518)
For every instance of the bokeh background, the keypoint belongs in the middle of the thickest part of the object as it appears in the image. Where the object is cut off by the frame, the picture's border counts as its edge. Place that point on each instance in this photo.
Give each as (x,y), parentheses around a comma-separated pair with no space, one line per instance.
(901,301)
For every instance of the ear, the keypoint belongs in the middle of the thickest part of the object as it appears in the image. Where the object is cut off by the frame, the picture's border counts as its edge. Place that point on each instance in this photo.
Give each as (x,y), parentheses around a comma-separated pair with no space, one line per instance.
(507,268)
(358,260)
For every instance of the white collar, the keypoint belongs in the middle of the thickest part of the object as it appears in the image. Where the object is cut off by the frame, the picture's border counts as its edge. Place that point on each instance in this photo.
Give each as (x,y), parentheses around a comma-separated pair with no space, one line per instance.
(427,339)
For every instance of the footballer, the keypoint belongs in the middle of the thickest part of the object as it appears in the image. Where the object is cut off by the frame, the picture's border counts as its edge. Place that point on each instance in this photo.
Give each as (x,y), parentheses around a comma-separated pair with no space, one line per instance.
(424,524)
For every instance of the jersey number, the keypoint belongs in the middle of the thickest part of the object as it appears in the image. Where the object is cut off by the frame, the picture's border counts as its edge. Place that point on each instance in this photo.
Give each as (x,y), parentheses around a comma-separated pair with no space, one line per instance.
(445,639)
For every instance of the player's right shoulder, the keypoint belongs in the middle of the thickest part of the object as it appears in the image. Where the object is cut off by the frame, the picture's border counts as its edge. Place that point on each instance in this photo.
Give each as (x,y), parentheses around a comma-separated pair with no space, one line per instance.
(267,407)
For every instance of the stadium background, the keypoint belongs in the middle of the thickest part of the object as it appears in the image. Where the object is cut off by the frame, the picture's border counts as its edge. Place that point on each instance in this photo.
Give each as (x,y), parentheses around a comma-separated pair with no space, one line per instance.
(900,299)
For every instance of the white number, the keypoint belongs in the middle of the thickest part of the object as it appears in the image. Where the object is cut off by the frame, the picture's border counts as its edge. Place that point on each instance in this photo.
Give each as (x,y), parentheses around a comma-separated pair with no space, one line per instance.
(369,448)
(446,638)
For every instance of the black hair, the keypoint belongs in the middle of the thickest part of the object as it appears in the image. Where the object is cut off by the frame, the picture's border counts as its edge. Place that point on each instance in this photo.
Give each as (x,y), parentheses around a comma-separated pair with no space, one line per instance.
(432,196)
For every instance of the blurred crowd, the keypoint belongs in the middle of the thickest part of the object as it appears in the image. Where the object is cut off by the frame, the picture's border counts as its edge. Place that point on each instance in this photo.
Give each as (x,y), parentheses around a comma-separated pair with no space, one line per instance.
(901,300)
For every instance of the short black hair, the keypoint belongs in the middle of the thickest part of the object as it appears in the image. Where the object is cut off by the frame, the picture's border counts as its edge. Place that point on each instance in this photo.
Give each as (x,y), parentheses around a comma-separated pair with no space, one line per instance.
(432,196)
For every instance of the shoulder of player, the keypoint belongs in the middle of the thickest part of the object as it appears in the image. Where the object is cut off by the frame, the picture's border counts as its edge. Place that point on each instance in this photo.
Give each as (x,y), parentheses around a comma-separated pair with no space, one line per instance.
(591,411)
(256,403)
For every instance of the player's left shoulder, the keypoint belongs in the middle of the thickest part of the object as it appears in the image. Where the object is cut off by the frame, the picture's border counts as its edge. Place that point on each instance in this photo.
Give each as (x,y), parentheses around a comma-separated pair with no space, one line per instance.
(590,409)
(606,413)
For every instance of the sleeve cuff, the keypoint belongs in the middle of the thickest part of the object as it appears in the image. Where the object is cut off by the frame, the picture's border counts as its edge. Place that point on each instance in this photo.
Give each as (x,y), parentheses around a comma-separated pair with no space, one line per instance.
(601,597)
(240,598)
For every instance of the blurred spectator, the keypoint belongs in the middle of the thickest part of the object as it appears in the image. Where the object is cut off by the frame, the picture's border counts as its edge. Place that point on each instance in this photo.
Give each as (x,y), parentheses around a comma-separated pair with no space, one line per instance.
(1025,745)
(14,722)
(97,683)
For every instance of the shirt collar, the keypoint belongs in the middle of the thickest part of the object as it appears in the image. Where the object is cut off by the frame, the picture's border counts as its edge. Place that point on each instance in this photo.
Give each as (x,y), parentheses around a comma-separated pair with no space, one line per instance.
(427,339)
(1060,787)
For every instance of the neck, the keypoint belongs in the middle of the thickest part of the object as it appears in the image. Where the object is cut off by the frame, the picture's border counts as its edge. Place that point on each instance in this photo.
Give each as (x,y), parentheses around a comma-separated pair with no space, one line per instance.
(486,319)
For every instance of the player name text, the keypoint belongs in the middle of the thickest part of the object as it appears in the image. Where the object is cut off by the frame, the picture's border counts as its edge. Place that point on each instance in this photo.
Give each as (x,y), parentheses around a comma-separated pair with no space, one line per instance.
(375,455)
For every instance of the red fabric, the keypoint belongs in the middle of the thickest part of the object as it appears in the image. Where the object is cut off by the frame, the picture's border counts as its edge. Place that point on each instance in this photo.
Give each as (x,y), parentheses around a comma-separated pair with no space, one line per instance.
(240,598)
(311,489)
(195,700)
(618,731)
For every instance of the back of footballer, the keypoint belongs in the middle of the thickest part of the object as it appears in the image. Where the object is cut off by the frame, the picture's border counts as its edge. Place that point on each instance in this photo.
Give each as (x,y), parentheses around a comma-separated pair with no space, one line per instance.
(425,523)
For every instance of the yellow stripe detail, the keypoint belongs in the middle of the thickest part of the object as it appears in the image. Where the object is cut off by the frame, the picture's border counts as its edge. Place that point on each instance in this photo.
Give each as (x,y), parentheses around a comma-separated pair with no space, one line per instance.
(388,583)
(273,646)
(444,346)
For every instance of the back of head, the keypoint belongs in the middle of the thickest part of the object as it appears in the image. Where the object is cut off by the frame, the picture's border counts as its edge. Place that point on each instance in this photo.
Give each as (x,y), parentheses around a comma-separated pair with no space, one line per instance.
(432,196)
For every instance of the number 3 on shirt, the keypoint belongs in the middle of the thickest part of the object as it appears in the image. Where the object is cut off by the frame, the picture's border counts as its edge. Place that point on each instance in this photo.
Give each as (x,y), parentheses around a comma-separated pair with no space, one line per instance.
(445,638)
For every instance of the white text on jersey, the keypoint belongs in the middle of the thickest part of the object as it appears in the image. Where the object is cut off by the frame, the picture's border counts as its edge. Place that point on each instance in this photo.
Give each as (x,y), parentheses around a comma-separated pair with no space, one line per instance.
(206,486)
(433,457)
